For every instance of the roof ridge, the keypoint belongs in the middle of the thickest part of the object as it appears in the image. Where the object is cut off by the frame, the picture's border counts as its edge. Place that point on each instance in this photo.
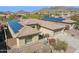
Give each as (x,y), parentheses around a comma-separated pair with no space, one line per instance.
(25,28)
(20,31)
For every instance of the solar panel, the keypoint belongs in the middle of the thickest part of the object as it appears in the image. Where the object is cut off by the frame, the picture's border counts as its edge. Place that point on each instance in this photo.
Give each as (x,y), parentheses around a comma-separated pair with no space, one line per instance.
(52,18)
(15,25)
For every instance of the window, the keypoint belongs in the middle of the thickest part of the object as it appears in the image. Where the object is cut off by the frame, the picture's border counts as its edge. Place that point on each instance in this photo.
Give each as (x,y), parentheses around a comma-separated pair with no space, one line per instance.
(28,39)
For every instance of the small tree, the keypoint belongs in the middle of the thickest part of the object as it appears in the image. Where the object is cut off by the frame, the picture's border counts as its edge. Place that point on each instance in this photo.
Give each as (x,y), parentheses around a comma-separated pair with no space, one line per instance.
(35,16)
(1,18)
(24,17)
(64,46)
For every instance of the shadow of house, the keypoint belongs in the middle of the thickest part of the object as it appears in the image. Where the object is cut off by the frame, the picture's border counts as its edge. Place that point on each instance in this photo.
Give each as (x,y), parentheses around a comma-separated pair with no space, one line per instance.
(3,47)
(8,33)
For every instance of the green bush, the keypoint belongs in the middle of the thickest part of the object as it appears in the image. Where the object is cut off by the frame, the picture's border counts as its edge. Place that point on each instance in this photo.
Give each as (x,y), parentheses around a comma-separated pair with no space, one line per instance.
(61,45)
(24,17)
(11,17)
(1,17)
(75,18)
(35,16)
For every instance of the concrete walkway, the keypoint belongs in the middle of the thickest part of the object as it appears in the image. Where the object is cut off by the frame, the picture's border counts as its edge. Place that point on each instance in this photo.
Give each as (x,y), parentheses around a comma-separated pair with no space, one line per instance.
(74,33)
(73,42)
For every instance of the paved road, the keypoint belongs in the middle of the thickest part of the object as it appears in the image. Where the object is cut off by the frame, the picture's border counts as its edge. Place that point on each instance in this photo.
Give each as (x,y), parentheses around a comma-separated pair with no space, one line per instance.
(69,39)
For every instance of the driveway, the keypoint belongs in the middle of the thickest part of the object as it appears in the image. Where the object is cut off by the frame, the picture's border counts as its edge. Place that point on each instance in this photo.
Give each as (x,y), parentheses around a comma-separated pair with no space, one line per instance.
(72,41)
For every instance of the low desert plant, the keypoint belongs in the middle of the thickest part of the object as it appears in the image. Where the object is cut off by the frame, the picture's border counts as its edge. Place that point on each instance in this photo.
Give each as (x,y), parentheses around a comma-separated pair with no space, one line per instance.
(60,45)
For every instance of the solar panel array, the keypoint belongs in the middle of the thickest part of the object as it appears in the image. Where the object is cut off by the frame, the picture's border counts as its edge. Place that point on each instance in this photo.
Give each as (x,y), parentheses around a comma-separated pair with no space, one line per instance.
(53,18)
(15,25)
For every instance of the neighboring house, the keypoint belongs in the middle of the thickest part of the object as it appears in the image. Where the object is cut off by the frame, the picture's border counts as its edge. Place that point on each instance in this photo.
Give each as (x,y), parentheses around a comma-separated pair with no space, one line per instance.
(22,34)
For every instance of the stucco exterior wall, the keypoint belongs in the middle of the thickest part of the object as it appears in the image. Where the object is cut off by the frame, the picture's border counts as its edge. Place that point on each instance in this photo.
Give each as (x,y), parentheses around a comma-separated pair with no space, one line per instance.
(17,40)
(35,38)
(20,42)
(46,31)
(23,41)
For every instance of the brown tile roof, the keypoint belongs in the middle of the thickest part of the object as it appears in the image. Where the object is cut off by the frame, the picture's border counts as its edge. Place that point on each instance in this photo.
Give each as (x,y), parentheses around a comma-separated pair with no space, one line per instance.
(53,25)
(25,31)
(28,22)
(68,21)
(47,24)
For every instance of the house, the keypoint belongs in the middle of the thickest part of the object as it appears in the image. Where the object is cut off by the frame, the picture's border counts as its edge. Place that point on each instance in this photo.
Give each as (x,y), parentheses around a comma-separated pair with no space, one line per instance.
(45,27)
(32,30)
(22,34)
